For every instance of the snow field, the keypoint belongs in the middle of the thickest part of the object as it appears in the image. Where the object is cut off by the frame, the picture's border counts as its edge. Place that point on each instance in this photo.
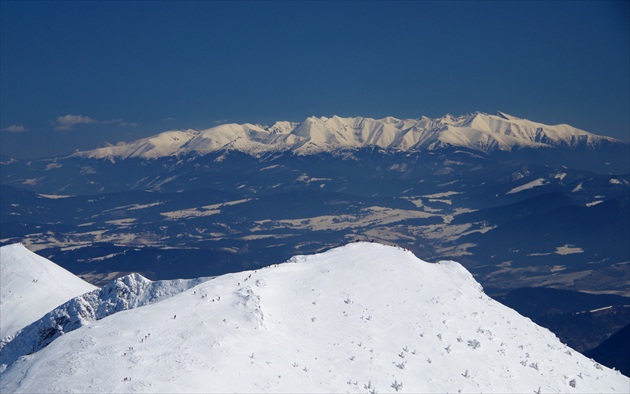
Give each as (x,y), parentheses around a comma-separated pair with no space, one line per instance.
(360,318)
(30,287)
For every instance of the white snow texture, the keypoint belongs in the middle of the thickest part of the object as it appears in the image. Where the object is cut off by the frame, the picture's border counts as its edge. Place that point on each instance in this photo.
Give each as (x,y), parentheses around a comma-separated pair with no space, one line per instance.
(31,286)
(478,131)
(360,318)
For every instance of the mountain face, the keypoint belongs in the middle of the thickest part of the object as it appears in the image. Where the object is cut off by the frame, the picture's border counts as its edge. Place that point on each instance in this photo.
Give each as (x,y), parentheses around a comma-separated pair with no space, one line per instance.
(614,351)
(32,285)
(184,160)
(360,318)
(581,320)
(477,131)
(128,292)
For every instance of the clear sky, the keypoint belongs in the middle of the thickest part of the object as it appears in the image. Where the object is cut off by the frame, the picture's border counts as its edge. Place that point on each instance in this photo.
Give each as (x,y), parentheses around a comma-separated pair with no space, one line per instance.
(78,74)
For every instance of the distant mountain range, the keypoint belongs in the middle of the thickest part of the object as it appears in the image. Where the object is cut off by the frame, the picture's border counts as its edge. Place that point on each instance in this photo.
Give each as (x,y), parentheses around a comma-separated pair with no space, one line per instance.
(519,203)
(359,318)
(315,135)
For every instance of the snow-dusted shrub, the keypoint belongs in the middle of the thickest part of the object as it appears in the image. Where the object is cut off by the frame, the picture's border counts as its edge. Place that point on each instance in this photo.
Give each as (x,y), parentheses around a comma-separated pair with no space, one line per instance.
(473,343)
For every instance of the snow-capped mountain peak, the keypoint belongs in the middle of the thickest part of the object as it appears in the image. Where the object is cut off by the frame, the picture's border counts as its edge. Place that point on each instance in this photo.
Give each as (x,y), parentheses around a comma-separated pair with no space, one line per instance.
(125,293)
(32,285)
(360,318)
(478,131)
(506,116)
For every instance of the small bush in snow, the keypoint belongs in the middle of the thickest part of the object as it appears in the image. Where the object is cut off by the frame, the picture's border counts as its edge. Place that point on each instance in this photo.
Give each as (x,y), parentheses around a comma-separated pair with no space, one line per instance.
(473,343)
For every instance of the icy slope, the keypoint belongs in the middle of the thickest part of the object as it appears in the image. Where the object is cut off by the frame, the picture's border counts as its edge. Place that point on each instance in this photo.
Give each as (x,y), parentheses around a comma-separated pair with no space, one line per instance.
(128,292)
(360,318)
(478,131)
(31,286)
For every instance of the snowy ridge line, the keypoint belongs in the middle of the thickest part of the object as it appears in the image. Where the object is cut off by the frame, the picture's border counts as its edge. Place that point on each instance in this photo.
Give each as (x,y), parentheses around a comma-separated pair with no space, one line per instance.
(478,131)
(128,292)
(363,317)
(32,285)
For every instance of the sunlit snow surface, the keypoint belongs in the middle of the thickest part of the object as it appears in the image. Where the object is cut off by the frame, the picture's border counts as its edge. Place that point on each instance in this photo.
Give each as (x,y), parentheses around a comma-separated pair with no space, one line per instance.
(529,185)
(478,131)
(360,318)
(31,286)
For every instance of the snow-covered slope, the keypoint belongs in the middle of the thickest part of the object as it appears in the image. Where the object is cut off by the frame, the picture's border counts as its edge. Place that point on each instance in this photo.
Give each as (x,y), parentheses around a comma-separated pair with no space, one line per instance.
(128,292)
(360,318)
(478,131)
(31,286)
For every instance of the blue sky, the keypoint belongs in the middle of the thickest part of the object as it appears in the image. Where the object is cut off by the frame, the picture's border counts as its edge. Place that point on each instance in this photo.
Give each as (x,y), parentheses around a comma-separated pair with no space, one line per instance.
(77,74)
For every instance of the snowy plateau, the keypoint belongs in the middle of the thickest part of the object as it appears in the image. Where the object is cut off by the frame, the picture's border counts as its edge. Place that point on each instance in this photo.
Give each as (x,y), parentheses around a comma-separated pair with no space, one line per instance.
(362,318)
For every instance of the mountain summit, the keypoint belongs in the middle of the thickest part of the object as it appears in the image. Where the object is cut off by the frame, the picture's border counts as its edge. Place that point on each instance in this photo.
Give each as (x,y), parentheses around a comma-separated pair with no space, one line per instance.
(360,318)
(478,131)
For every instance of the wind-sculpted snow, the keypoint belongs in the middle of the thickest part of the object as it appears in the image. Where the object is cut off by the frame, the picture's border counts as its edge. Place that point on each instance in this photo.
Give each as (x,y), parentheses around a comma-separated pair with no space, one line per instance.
(363,318)
(32,285)
(315,135)
(128,292)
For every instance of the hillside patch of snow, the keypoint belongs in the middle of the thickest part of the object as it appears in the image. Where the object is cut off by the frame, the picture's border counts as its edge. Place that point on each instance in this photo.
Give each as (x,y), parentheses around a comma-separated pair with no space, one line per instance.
(54,196)
(206,210)
(529,185)
(568,249)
